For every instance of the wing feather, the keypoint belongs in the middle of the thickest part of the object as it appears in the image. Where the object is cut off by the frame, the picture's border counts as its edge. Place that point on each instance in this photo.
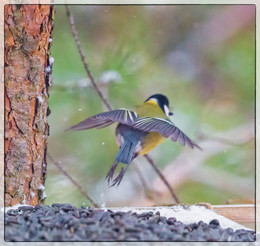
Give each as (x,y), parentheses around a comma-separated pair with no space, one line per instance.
(181,139)
(127,117)
(101,120)
(175,135)
(164,127)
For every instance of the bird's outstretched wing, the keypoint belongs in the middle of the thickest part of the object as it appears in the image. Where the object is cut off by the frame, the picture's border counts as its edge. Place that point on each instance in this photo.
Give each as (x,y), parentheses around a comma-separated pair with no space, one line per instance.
(130,118)
(101,120)
(164,127)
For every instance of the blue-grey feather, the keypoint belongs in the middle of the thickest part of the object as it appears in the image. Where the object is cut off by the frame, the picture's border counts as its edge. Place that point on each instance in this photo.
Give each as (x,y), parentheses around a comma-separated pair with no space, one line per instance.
(131,138)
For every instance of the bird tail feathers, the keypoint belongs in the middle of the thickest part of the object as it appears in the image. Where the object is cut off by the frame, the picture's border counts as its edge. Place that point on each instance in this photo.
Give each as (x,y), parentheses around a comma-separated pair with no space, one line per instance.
(125,153)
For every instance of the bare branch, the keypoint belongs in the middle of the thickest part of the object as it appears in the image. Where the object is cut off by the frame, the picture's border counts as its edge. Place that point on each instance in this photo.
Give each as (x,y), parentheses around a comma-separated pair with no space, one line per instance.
(162,178)
(83,59)
(73,181)
(150,193)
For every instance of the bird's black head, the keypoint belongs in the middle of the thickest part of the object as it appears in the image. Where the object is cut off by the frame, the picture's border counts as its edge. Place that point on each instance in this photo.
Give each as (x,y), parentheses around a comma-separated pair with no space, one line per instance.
(162,101)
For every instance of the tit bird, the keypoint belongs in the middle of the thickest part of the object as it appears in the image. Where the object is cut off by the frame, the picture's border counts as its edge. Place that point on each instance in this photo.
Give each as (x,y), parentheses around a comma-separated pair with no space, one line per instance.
(137,132)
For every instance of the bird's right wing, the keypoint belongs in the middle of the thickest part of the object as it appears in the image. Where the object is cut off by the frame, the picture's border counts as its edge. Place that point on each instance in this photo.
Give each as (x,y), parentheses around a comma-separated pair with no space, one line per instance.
(166,128)
(101,120)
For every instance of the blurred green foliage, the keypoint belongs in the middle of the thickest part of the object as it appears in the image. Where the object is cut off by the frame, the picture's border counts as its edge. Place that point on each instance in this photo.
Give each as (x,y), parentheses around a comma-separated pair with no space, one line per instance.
(136,42)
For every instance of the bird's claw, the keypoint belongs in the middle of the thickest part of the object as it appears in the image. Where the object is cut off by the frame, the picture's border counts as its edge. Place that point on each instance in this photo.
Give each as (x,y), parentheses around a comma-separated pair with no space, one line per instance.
(119,178)
(110,174)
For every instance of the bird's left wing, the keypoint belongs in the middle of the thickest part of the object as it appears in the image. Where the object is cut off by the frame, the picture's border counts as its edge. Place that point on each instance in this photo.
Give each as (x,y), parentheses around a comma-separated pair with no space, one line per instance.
(164,127)
(101,120)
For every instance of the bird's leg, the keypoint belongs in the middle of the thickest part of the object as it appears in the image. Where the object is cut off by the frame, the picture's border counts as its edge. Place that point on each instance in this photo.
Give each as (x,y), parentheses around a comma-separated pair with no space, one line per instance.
(110,174)
(120,176)
(134,156)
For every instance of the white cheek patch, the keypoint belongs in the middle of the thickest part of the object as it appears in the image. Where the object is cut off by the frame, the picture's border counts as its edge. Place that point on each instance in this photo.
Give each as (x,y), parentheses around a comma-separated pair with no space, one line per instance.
(153,100)
(166,110)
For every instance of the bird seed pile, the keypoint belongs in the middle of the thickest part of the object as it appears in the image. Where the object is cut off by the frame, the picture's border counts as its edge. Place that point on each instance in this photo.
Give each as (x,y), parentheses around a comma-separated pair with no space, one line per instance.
(63,222)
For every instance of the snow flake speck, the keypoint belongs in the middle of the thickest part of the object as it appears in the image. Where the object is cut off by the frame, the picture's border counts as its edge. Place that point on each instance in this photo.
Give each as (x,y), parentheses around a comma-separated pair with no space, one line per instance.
(24,199)
(32,194)
(51,60)
(40,98)
(44,195)
(48,69)
(41,187)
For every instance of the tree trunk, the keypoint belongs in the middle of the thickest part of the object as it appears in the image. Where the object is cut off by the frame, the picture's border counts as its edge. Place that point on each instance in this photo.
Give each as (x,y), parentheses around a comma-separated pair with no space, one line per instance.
(28,64)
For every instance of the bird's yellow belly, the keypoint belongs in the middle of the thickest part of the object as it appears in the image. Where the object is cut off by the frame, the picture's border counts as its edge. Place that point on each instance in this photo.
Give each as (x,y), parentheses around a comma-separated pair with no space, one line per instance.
(151,140)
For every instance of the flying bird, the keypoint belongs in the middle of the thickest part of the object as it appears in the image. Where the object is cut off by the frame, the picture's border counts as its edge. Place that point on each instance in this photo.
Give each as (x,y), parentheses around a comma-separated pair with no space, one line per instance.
(137,133)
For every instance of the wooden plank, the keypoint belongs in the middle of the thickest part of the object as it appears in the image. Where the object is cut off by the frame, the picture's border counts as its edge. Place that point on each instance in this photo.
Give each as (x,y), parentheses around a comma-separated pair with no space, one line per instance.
(243,214)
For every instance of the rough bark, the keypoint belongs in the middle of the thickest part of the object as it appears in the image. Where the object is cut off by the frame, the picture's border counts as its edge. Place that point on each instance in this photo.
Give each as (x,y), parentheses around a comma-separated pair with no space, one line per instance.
(28,64)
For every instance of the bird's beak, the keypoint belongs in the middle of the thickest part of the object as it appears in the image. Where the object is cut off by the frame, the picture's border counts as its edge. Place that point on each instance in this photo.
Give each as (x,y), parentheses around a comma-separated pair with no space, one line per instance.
(171,113)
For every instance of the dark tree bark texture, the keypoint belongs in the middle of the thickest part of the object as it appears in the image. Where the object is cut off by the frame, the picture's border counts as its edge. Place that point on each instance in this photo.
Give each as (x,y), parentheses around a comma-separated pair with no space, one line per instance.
(28,63)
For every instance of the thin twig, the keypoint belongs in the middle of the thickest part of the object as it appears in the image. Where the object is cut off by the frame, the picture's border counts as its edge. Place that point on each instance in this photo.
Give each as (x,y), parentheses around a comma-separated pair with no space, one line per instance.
(162,178)
(141,177)
(83,59)
(149,192)
(143,182)
(82,56)
(73,181)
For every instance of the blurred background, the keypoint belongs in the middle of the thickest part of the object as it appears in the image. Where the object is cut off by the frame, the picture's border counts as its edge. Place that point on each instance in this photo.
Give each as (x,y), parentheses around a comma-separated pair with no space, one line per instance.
(202,57)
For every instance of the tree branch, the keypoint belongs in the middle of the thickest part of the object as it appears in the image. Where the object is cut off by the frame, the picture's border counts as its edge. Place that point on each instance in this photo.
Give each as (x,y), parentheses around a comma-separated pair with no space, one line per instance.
(83,59)
(73,181)
(162,178)
(150,193)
